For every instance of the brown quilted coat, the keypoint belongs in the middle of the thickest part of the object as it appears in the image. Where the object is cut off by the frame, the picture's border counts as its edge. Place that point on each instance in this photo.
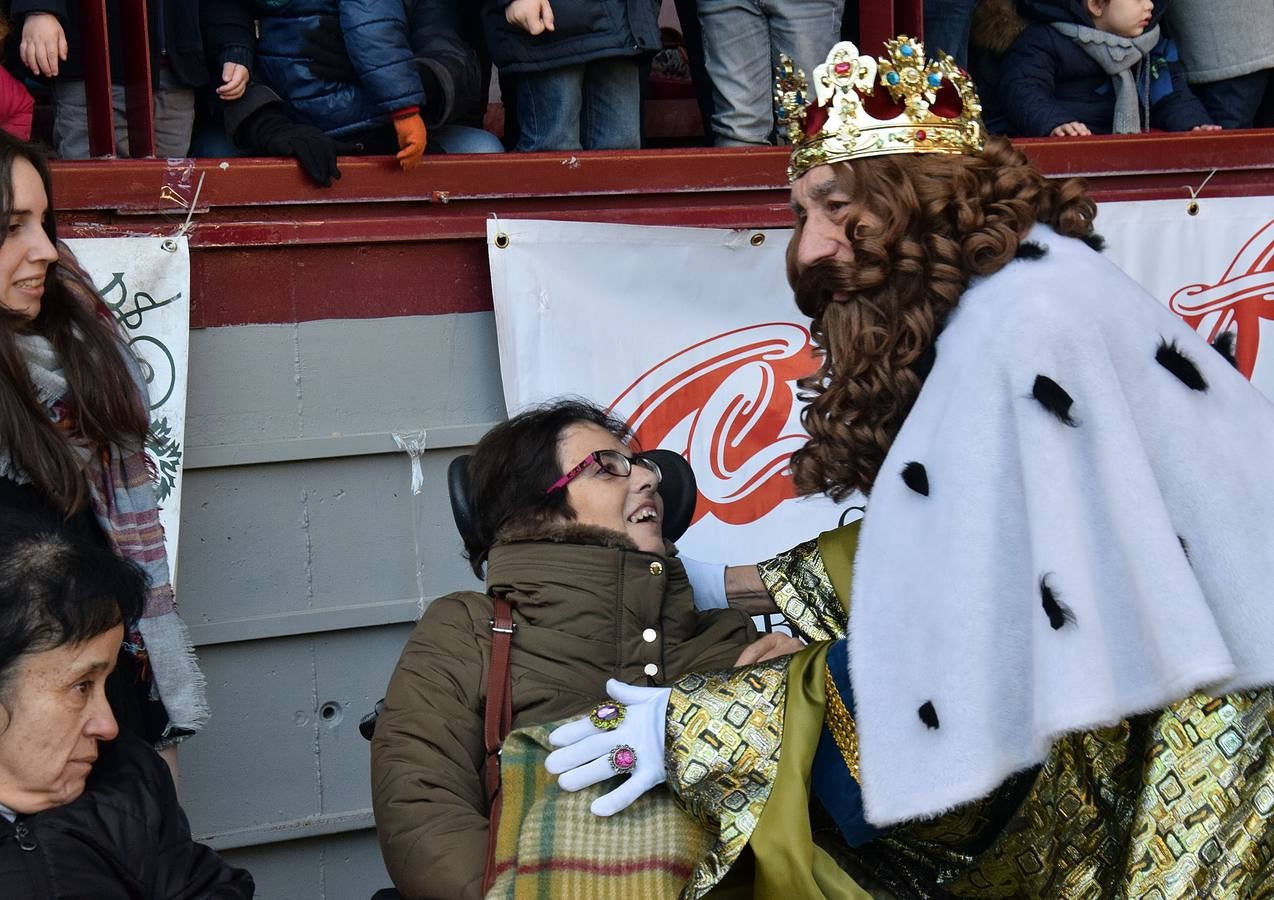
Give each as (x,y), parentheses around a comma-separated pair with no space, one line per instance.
(588,606)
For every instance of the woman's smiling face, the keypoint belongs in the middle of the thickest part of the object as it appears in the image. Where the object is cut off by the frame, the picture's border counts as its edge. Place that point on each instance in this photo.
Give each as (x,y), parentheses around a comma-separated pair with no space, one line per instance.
(26,251)
(631,505)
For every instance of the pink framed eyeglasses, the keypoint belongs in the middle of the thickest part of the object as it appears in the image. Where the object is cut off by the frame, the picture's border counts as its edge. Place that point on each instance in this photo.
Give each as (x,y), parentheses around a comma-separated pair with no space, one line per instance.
(611,461)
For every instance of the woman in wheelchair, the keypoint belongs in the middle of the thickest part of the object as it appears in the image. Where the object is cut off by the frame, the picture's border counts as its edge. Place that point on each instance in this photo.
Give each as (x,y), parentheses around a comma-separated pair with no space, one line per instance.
(570,525)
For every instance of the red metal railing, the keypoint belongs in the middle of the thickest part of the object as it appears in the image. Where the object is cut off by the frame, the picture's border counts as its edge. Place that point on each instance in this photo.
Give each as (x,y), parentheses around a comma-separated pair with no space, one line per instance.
(269,246)
(135,41)
(878,20)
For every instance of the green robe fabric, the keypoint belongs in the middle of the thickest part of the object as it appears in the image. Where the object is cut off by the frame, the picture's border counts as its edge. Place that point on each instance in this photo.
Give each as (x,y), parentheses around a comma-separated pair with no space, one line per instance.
(1175,803)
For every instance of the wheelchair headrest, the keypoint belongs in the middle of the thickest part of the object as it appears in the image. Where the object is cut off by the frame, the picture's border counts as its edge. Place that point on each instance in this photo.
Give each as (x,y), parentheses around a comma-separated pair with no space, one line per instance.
(678,489)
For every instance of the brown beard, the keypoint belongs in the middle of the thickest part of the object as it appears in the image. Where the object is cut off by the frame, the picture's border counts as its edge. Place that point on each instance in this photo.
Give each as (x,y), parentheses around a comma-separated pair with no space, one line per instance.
(865,386)
(936,221)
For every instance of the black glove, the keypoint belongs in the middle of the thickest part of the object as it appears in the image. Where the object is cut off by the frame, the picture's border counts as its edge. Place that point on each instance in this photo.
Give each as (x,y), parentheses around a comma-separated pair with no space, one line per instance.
(324,49)
(270,132)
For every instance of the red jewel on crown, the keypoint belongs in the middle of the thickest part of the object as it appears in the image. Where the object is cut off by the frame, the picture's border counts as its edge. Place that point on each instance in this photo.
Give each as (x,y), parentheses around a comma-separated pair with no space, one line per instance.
(920,135)
(841,68)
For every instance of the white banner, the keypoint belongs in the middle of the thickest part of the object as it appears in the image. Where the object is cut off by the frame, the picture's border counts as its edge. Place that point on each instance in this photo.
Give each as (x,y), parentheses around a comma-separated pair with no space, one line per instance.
(1215,268)
(692,336)
(146,283)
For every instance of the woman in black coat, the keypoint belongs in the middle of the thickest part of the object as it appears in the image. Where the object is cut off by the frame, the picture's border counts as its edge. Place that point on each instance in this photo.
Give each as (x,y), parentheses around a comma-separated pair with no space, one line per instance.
(84,811)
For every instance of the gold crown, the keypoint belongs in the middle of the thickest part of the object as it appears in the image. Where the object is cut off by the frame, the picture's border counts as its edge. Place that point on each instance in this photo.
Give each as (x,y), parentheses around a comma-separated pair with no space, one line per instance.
(924,107)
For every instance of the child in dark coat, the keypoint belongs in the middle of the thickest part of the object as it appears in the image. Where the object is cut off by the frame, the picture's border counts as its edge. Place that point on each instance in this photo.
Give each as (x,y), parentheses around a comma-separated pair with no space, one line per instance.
(1097,67)
(52,45)
(578,82)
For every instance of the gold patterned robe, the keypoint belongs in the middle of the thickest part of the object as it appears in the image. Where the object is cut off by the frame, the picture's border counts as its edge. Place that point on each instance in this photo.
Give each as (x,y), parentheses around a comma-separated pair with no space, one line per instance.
(1171,804)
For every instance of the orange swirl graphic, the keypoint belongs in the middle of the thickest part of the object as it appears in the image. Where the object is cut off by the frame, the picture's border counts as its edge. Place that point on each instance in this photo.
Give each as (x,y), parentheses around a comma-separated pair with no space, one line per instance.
(728,404)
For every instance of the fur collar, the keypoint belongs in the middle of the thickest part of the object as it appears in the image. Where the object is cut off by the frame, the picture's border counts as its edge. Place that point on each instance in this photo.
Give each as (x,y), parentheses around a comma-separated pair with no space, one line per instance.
(566,533)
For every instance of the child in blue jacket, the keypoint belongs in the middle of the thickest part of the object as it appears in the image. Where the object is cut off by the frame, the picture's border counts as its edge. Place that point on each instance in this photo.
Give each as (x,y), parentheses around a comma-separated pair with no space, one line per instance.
(1096,67)
(408,65)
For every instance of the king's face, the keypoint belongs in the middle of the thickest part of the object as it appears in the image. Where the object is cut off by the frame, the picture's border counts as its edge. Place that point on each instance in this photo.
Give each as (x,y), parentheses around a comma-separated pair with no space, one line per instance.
(822,207)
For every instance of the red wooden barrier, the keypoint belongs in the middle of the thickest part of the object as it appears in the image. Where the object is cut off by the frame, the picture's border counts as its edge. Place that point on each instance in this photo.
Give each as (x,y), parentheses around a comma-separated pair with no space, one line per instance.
(271,247)
(136,78)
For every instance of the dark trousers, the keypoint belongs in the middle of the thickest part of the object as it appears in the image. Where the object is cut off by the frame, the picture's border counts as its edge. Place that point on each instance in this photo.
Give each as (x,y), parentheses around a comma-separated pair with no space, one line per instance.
(1236,102)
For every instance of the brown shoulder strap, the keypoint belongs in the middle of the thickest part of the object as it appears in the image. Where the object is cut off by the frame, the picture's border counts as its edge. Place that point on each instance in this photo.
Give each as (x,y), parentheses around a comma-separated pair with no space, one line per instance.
(497,719)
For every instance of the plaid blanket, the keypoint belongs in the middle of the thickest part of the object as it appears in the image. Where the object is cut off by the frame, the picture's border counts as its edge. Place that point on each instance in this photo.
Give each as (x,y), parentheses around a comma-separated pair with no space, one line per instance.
(549,845)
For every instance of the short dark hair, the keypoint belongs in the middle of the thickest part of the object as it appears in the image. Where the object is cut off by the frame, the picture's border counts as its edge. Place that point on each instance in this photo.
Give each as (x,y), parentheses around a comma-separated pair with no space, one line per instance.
(57,590)
(515,463)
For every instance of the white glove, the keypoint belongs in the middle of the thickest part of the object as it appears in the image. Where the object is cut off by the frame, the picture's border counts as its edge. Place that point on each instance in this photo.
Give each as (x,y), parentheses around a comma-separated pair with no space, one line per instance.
(583,757)
(707,580)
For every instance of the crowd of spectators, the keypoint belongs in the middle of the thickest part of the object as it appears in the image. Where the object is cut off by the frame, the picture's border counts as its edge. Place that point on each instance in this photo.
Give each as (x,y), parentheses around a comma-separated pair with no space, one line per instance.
(319,78)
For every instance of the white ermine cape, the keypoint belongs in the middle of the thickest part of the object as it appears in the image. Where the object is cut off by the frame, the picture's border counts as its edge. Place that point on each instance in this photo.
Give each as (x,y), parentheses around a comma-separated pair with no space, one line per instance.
(1075,524)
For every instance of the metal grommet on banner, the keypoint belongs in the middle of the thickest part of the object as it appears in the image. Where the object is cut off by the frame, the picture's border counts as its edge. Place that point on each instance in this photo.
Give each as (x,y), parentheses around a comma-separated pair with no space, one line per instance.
(501,240)
(1192,208)
(169,244)
(758,239)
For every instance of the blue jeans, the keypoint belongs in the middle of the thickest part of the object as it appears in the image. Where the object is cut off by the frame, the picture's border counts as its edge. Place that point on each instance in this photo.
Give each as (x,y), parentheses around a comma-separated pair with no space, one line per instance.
(463,139)
(742,40)
(590,106)
(947,28)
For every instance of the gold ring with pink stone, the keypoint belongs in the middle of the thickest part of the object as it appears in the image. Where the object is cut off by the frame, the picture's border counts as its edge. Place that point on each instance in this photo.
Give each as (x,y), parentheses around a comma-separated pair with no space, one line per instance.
(622,759)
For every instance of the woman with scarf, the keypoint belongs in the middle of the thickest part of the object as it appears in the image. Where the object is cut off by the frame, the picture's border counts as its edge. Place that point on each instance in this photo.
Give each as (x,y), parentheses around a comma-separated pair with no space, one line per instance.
(73,428)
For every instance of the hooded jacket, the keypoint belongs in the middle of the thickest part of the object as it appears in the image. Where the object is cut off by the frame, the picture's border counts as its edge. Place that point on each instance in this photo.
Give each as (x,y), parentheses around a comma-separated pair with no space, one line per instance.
(403,55)
(584,30)
(1048,80)
(376,39)
(587,606)
(124,838)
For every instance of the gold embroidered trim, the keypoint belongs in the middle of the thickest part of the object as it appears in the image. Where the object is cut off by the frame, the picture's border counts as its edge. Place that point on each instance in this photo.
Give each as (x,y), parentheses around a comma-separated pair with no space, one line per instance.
(724,734)
(841,724)
(798,582)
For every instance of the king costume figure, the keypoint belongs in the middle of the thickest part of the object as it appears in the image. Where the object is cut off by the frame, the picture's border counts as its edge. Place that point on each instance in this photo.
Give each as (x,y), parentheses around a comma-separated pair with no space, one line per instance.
(1040,664)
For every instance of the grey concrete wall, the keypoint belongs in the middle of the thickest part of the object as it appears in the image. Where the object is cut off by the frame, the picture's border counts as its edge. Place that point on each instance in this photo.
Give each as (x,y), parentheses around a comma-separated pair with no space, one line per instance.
(297,570)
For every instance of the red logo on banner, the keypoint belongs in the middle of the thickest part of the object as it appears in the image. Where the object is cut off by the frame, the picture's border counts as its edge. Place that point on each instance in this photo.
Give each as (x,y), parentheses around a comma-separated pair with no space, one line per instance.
(1237,302)
(728,405)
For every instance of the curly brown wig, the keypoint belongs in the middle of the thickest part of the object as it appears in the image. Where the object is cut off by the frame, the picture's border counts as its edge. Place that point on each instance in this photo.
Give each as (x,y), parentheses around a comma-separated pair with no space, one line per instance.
(921,225)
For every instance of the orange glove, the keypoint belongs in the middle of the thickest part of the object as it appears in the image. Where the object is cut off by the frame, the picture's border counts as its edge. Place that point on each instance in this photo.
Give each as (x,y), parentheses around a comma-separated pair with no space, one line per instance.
(411,140)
